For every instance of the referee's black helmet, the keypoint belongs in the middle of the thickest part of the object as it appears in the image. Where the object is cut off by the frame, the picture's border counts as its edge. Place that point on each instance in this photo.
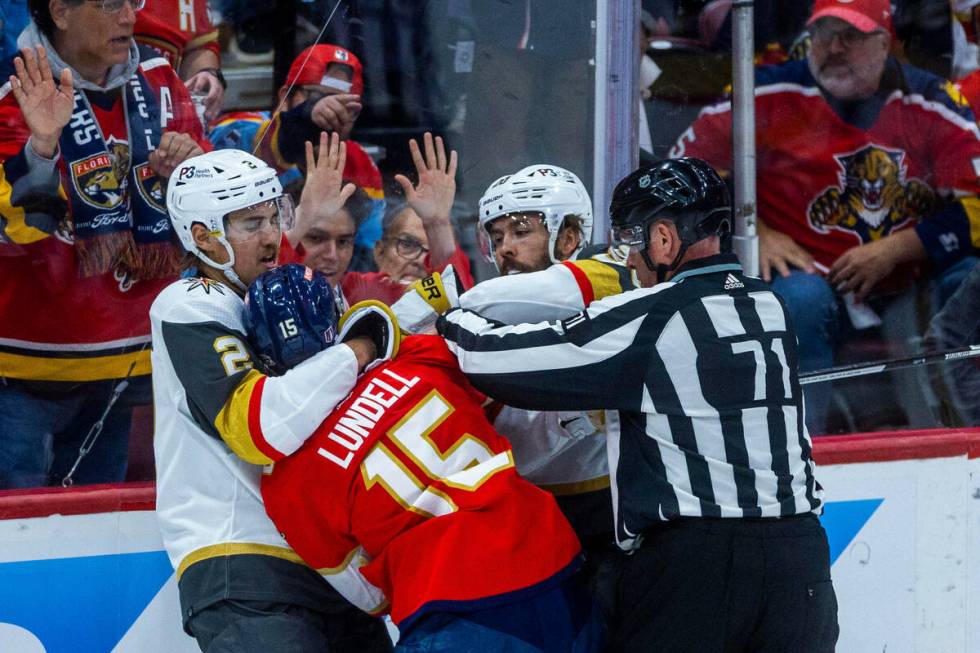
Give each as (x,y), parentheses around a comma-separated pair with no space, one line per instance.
(686,191)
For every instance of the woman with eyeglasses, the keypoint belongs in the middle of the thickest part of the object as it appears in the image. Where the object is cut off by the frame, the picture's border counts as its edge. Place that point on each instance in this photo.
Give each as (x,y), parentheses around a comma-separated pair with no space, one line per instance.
(417,234)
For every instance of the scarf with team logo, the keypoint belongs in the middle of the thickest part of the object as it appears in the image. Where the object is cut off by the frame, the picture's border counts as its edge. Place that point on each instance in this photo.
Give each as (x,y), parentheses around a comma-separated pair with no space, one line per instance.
(117,202)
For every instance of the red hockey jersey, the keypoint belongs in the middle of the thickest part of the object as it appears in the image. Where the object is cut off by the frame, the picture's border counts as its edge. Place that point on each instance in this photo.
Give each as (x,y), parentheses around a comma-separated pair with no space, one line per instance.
(176,27)
(55,325)
(408,484)
(832,184)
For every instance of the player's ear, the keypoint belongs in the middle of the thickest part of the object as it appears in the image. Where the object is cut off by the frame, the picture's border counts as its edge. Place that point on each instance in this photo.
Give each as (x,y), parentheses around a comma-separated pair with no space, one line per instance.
(568,239)
(202,237)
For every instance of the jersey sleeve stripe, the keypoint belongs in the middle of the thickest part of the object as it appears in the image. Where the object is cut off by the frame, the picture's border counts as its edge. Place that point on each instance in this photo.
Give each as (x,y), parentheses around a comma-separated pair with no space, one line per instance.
(16,229)
(348,580)
(234,422)
(583,282)
(971,205)
(237,548)
(255,421)
(202,40)
(603,278)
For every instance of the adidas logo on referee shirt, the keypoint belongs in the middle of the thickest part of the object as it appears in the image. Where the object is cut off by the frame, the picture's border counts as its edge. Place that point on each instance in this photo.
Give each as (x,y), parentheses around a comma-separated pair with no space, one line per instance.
(731,282)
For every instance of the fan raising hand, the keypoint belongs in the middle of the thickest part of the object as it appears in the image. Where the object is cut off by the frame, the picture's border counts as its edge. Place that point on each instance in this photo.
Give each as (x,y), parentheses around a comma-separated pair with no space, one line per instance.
(46,106)
(433,198)
(324,192)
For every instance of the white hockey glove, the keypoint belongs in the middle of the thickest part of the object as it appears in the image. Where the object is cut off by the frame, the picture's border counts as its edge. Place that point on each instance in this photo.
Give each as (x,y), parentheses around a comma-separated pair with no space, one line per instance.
(373,320)
(427,299)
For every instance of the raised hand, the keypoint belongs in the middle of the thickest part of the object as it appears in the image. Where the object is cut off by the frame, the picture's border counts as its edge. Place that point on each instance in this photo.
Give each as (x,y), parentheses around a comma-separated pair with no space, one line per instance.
(46,106)
(174,149)
(432,199)
(325,192)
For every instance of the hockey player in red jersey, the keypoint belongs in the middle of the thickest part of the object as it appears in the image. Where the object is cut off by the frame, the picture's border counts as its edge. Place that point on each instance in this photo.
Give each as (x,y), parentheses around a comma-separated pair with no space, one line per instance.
(407,500)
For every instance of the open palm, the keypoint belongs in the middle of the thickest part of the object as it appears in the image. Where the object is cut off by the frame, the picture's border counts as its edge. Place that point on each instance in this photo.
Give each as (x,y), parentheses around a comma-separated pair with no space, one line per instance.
(325,192)
(46,106)
(433,197)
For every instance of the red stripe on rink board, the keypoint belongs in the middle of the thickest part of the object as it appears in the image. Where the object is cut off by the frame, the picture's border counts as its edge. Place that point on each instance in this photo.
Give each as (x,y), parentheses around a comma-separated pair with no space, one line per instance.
(896,445)
(827,450)
(83,500)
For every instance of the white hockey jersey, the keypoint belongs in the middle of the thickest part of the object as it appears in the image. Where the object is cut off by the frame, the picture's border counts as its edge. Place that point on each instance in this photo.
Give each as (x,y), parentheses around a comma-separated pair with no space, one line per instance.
(218,421)
(562,452)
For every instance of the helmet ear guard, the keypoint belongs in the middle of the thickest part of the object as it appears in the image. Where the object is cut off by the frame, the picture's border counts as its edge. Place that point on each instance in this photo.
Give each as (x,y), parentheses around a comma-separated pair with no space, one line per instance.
(290,314)
(208,187)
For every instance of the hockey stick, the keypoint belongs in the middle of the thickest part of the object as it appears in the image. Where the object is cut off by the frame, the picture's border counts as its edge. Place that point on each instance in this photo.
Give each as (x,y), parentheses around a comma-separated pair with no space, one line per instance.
(874,367)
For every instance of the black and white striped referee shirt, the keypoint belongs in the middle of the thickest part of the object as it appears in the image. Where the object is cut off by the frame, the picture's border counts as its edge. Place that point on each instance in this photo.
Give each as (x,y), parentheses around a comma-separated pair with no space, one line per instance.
(699,376)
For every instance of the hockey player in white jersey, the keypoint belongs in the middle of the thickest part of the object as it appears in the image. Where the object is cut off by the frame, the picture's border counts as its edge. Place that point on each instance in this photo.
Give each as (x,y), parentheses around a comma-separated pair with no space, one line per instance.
(219,419)
(534,225)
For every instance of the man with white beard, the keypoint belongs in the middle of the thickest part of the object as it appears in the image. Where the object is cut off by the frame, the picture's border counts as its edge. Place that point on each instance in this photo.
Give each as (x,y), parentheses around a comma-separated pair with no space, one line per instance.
(867,181)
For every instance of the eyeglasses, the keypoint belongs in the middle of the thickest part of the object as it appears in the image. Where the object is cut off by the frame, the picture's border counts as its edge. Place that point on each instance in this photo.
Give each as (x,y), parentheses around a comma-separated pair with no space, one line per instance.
(115,6)
(824,34)
(408,248)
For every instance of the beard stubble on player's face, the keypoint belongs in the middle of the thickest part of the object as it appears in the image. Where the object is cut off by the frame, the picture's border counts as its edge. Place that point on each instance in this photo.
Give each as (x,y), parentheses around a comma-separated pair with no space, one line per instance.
(520,250)
(254,236)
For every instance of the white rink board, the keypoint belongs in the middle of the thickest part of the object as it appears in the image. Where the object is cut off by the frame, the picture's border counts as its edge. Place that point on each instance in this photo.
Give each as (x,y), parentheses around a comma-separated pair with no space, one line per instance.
(901,583)
(905,536)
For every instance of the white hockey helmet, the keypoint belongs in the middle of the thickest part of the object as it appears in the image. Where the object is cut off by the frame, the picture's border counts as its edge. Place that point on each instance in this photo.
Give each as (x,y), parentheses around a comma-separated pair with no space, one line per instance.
(208,187)
(542,188)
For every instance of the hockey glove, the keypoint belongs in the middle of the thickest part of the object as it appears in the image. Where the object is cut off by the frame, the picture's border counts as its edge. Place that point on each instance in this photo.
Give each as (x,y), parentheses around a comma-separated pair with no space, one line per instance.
(427,299)
(373,320)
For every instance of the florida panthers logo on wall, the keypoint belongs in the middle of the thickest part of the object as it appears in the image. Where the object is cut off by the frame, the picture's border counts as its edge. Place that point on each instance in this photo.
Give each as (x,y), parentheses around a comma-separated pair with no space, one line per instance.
(872,198)
(101,180)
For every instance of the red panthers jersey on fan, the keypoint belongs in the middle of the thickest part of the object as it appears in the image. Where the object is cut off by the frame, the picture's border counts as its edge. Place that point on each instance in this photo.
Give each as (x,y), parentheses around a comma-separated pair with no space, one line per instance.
(407,486)
(907,160)
(176,27)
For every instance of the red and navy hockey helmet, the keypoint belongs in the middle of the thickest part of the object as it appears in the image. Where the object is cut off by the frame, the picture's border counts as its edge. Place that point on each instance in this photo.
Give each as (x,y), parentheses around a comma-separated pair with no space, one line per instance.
(291,314)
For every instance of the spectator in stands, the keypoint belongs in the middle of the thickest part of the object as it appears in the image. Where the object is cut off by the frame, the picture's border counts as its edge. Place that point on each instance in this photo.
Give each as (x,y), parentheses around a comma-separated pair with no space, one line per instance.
(417,237)
(328,244)
(865,179)
(322,92)
(84,235)
(181,31)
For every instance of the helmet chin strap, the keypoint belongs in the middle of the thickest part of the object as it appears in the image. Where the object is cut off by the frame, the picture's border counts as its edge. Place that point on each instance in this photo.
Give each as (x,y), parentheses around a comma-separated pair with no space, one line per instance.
(226,268)
(661,269)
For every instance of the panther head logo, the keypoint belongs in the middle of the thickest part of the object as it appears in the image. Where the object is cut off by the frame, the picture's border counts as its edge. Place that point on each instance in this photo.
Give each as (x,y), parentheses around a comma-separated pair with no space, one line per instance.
(873,175)
(872,198)
(102,179)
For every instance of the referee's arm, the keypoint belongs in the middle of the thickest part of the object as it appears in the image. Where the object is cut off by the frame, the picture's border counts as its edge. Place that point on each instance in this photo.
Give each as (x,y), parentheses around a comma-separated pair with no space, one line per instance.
(588,361)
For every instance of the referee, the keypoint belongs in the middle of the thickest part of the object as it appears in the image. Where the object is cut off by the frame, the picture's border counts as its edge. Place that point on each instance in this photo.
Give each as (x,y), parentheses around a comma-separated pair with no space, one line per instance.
(713,480)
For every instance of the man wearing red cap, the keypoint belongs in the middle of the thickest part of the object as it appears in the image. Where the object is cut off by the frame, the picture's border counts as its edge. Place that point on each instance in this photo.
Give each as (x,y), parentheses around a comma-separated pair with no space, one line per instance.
(322,92)
(867,172)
